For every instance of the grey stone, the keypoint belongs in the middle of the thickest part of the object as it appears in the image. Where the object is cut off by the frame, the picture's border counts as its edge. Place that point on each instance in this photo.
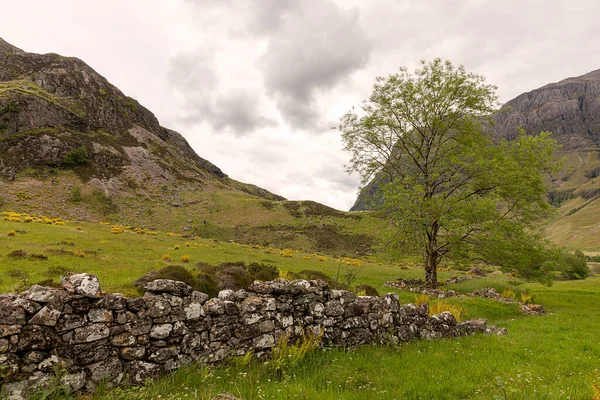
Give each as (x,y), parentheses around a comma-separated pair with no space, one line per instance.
(47,316)
(168,286)
(91,333)
(83,284)
(100,315)
(161,331)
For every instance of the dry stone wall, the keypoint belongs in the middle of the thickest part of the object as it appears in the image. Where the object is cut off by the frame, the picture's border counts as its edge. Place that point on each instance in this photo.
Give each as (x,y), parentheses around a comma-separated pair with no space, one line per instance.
(108,337)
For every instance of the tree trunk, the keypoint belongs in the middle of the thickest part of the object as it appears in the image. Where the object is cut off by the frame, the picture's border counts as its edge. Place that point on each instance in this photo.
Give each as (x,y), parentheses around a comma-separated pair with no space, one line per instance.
(431,270)
(431,257)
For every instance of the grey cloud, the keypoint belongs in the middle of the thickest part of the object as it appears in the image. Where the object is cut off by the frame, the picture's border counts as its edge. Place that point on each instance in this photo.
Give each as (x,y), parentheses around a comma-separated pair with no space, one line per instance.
(193,76)
(315,47)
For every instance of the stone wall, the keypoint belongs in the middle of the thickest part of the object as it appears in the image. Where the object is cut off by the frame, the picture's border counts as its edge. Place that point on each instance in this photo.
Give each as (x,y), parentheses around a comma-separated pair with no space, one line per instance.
(109,337)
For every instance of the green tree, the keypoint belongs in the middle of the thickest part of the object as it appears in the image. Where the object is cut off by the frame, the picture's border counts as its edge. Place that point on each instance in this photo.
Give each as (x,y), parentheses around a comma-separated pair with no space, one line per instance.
(453,191)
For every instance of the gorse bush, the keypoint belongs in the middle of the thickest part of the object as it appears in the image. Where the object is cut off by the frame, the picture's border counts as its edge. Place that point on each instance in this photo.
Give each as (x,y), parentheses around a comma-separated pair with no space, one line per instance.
(509,294)
(185,258)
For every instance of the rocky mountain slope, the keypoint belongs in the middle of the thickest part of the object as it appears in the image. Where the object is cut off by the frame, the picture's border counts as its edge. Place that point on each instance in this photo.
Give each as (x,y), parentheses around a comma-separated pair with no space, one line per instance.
(57,111)
(74,146)
(571,110)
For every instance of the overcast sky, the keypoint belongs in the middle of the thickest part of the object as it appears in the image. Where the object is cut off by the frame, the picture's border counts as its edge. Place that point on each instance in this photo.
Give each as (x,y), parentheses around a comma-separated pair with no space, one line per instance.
(256,85)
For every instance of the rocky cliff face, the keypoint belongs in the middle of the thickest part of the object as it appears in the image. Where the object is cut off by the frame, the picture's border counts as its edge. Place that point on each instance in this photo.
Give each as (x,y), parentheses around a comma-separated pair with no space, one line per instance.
(56,111)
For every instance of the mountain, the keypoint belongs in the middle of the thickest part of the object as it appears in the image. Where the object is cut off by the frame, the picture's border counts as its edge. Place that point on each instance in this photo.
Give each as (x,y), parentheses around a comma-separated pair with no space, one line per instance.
(571,110)
(72,145)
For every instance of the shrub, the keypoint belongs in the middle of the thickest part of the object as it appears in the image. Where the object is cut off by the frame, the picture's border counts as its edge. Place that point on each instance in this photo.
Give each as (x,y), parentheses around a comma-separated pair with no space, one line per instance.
(367,289)
(173,272)
(11,233)
(185,258)
(76,157)
(166,257)
(76,194)
(187,244)
(207,284)
(233,275)
(263,272)
(321,258)
(574,265)
(176,247)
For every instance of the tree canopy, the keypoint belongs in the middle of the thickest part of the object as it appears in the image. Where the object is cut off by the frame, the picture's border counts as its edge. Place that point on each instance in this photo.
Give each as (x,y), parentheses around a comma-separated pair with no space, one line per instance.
(454,191)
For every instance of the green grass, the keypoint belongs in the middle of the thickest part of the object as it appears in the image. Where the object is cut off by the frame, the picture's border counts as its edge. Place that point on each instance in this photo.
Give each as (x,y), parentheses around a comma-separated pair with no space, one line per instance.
(547,357)
(120,259)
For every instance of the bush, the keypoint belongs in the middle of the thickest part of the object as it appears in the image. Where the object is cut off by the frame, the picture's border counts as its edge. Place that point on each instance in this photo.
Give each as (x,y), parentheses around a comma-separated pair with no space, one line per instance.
(367,289)
(207,284)
(76,157)
(185,258)
(173,272)
(574,265)
(76,194)
(263,272)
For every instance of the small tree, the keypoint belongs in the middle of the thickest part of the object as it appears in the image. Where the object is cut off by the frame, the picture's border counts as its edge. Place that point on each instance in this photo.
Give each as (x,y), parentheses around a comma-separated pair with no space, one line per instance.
(453,191)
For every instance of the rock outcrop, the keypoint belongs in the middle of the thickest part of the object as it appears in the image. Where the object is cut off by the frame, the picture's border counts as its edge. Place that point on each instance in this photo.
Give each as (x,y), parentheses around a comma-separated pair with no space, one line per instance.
(95,336)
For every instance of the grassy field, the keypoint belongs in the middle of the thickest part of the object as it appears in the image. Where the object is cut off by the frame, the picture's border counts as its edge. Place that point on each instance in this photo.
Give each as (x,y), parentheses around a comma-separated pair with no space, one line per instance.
(119,259)
(549,357)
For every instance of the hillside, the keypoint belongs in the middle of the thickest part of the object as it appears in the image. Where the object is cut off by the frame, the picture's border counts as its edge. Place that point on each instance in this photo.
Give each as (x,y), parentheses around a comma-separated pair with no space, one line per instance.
(72,145)
(571,110)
